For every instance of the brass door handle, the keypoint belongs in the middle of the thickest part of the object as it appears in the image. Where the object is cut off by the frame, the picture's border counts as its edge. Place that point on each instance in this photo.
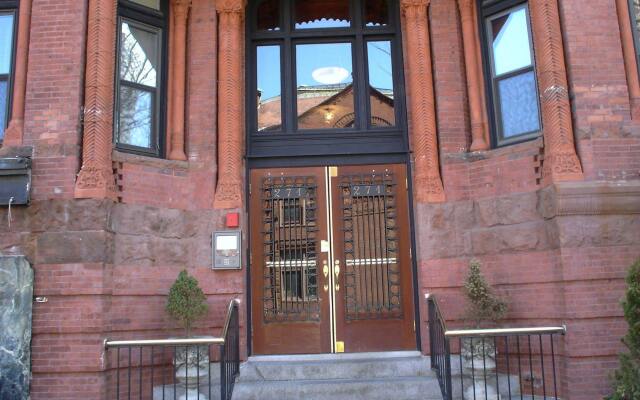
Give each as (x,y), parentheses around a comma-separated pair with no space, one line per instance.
(325,271)
(336,269)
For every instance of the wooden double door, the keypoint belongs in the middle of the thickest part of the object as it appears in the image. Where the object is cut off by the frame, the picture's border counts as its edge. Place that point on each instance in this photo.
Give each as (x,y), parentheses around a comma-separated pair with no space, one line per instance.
(330,260)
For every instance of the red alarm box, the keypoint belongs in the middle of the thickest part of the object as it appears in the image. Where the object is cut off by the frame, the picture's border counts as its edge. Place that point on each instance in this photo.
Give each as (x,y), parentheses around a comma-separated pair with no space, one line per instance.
(233,220)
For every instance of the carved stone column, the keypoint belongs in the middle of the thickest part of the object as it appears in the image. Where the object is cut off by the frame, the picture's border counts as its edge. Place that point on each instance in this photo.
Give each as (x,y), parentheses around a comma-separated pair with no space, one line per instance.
(560,159)
(95,179)
(230,103)
(474,88)
(428,184)
(14,133)
(629,54)
(180,12)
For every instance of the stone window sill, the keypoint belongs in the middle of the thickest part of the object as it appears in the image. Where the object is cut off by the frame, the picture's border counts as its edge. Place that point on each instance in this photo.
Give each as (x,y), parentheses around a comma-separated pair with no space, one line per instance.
(532,146)
(122,157)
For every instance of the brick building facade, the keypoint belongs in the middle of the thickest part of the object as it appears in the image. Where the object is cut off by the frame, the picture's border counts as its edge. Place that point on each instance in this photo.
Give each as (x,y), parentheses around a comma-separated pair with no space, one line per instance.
(554,219)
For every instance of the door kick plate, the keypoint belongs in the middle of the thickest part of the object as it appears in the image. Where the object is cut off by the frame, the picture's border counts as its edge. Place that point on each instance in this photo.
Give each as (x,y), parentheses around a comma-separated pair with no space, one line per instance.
(339,347)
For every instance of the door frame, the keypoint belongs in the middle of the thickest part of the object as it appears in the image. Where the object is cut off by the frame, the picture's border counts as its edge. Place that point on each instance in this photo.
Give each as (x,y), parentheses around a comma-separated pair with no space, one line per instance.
(332,161)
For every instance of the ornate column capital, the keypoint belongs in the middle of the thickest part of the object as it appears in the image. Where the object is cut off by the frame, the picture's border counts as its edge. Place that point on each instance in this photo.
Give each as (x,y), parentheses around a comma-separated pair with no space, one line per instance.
(230,6)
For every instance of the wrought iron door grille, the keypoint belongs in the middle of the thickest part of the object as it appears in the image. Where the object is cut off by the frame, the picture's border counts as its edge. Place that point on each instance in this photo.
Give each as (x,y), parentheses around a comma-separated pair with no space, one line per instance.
(290,257)
(372,271)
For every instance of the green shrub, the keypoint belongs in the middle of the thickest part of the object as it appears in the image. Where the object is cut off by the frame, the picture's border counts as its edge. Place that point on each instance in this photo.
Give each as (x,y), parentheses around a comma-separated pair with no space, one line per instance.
(627,378)
(186,303)
(483,305)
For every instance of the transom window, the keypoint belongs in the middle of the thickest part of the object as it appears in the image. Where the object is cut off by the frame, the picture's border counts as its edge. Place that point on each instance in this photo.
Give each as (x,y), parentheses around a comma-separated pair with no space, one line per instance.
(8,22)
(325,70)
(511,72)
(140,80)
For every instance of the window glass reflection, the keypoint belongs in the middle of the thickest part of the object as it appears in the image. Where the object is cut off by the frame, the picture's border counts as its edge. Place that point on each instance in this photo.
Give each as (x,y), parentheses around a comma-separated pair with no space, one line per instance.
(325,94)
(155,4)
(322,14)
(6,42)
(269,88)
(519,105)
(376,13)
(511,44)
(269,15)
(135,117)
(381,84)
(138,55)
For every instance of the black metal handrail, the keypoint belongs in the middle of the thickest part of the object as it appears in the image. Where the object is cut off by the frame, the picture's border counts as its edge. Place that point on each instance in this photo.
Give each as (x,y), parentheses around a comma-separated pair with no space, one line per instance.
(152,369)
(513,363)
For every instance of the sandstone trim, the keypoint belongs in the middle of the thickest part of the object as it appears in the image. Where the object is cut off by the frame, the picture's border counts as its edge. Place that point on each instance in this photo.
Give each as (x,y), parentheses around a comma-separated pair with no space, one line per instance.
(230,100)
(597,198)
(96,179)
(428,183)
(180,12)
(15,131)
(629,54)
(561,162)
(474,74)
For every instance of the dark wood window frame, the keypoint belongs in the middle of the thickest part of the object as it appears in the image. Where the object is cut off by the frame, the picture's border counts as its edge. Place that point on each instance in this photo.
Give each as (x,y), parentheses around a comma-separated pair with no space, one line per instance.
(10,7)
(152,20)
(636,33)
(364,139)
(489,10)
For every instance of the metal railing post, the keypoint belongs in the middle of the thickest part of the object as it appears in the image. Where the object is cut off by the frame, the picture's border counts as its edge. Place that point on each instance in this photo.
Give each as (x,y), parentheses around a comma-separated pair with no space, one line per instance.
(447,368)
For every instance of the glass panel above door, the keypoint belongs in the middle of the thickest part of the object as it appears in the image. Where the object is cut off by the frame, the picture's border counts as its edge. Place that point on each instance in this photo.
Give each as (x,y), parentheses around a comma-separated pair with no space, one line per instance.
(311,14)
(381,97)
(268,15)
(324,93)
(269,99)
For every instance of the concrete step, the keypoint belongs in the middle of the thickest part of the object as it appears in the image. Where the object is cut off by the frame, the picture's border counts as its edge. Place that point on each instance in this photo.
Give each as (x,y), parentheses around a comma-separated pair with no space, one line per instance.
(372,376)
(336,366)
(398,388)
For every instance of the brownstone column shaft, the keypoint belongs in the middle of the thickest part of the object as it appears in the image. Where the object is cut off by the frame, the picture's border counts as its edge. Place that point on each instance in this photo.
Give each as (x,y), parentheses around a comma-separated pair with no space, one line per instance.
(560,159)
(180,12)
(230,101)
(428,184)
(96,179)
(14,133)
(474,88)
(629,54)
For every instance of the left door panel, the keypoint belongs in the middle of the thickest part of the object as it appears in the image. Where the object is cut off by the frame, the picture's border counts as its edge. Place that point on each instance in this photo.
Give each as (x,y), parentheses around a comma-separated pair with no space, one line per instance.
(290,307)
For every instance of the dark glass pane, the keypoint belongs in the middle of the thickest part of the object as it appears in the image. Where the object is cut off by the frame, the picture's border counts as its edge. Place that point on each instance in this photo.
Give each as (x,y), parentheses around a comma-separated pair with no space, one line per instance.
(376,12)
(139,55)
(269,97)
(325,95)
(135,117)
(3,107)
(511,42)
(381,84)
(269,15)
(636,14)
(322,14)
(519,105)
(6,42)
(155,4)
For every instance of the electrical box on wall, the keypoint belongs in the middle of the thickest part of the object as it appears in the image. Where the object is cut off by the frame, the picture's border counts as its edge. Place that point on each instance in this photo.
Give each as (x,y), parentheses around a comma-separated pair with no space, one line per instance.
(15,181)
(227,250)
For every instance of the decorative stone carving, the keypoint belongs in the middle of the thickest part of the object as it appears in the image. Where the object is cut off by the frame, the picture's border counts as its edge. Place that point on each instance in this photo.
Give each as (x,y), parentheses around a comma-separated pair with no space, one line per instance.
(472,68)
(428,184)
(230,101)
(629,54)
(96,179)
(561,161)
(16,295)
(15,131)
(180,12)
(596,198)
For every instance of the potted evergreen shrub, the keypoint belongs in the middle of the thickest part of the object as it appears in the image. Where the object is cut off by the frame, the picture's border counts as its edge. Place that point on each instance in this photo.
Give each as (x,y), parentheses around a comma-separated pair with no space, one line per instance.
(484,308)
(186,304)
(626,380)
